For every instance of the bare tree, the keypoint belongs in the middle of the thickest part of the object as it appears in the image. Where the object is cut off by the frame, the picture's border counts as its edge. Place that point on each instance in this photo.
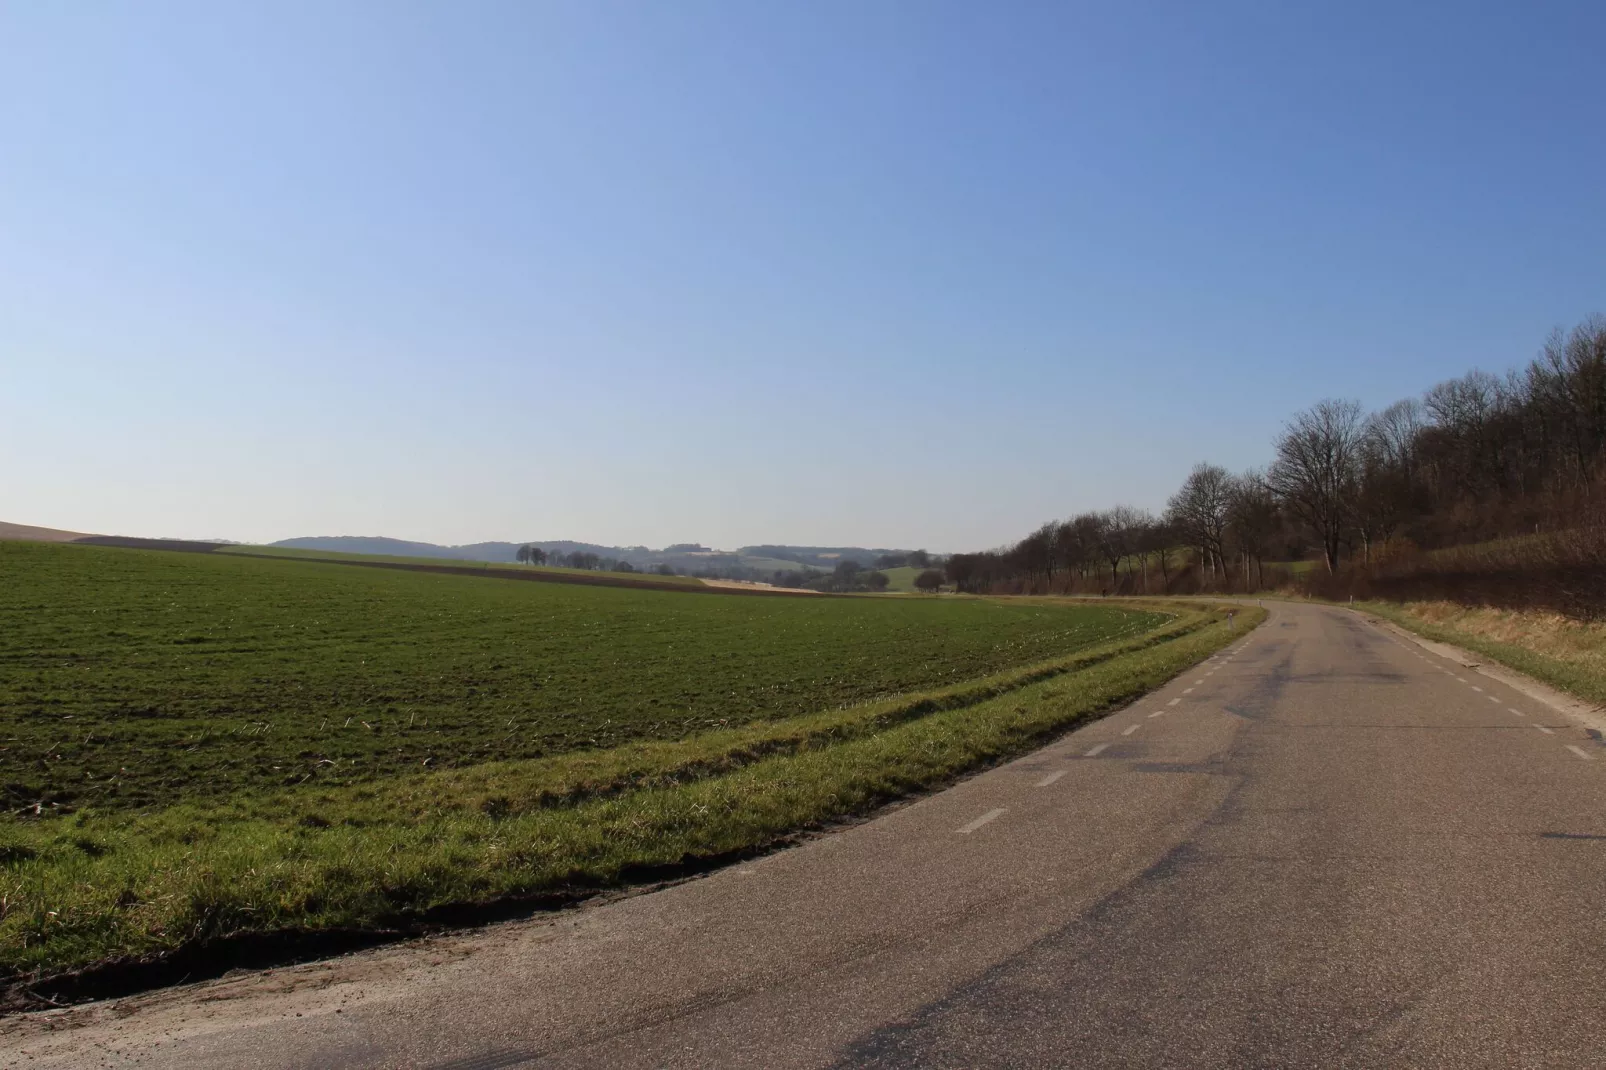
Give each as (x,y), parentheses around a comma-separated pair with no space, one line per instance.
(1317,468)
(1252,521)
(1160,539)
(1199,511)
(1081,537)
(1117,534)
(1039,552)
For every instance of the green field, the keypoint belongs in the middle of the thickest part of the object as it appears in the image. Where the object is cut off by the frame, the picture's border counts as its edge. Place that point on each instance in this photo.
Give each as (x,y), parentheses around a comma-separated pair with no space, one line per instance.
(138,678)
(198,745)
(454,563)
(902,578)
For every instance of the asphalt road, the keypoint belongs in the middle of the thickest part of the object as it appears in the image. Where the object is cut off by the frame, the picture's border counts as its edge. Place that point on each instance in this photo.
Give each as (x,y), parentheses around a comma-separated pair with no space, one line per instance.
(1327,847)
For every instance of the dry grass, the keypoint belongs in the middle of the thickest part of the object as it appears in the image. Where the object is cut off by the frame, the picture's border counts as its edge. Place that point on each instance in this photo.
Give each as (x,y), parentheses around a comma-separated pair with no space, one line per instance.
(1550,646)
(1541,631)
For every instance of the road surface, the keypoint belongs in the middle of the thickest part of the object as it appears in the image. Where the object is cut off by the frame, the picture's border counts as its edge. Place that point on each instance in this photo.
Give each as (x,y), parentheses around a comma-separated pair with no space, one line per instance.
(1326,847)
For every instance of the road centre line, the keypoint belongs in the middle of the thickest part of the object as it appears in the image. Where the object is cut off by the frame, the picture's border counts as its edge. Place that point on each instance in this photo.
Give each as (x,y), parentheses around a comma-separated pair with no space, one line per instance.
(1156,713)
(991,815)
(1096,751)
(1187,691)
(1046,781)
(1581,753)
(1516,711)
(1459,679)
(1173,702)
(1493,699)
(1129,730)
(1476,688)
(1545,730)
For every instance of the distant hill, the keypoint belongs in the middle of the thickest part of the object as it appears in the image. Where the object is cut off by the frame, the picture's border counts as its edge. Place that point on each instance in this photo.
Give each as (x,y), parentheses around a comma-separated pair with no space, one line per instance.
(33,534)
(690,558)
(750,562)
(826,557)
(476,551)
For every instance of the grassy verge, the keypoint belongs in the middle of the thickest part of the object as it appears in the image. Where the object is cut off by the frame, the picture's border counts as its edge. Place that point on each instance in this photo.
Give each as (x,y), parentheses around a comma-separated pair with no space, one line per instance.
(86,889)
(1547,646)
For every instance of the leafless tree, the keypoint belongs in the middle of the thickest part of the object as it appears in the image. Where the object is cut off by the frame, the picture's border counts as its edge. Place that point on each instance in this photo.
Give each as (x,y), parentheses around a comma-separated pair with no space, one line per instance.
(1160,539)
(1199,511)
(1317,468)
(1118,532)
(1252,522)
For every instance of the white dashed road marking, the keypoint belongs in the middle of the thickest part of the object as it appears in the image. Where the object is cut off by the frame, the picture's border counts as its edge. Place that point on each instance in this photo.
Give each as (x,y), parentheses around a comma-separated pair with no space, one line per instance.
(1187,691)
(991,815)
(1585,755)
(1130,729)
(1493,700)
(1046,781)
(1156,713)
(1516,711)
(1173,702)
(1096,751)
(1545,730)
(1476,688)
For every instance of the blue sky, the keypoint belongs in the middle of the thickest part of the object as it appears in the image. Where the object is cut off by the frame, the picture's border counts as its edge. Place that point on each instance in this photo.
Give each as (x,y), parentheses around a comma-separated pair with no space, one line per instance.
(842,273)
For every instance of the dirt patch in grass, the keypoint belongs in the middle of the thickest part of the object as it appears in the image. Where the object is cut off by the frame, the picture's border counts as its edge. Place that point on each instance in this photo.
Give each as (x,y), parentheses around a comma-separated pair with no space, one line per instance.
(34,534)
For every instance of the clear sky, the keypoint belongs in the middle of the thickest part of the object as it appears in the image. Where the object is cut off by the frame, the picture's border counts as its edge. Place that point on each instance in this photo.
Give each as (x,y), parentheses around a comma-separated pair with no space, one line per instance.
(905,274)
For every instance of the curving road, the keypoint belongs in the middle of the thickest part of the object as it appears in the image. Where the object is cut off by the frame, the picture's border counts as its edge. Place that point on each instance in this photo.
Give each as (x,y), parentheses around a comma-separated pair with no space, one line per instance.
(1327,847)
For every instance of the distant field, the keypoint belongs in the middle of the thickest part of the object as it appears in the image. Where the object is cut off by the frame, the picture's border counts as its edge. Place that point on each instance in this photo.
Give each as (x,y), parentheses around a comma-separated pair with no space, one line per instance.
(457,564)
(197,746)
(777,564)
(902,578)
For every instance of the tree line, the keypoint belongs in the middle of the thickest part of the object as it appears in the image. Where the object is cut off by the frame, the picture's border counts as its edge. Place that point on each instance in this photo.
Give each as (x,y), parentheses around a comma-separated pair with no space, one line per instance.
(1473,459)
(530,554)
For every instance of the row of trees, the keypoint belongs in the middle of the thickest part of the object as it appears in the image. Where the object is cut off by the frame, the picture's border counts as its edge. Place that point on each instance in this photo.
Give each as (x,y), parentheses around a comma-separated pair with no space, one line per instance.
(1475,458)
(912,559)
(535,555)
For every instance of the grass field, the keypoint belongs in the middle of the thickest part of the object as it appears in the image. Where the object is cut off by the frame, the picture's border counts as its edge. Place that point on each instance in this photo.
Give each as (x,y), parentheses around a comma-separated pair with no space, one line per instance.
(902,578)
(198,746)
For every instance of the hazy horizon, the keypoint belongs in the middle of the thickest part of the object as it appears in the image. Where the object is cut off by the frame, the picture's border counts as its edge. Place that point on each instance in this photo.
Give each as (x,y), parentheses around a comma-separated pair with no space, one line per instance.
(906,276)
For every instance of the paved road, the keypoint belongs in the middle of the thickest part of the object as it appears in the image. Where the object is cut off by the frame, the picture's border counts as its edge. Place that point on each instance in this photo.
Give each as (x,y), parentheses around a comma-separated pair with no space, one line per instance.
(1325,848)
